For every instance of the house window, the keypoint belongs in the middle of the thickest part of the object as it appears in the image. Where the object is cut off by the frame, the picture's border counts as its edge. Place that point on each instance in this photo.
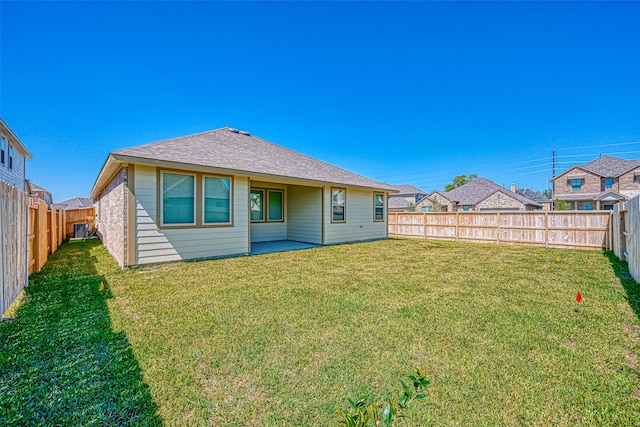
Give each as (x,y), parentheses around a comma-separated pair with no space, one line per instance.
(217,200)
(10,157)
(257,205)
(178,199)
(465,208)
(338,204)
(378,207)
(608,183)
(3,146)
(275,206)
(576,184)
(586,206)
(608,207)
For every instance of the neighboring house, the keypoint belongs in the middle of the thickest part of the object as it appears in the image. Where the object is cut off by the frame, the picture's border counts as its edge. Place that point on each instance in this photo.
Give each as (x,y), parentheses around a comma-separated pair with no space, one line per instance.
(75,203)
(536,196)
(478,195)
(406,195)
(13,155)
(217,193)
(41,193)
(599,184)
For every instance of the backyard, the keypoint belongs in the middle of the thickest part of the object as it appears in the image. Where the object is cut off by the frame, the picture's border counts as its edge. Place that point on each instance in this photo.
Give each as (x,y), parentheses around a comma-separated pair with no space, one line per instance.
(286,338)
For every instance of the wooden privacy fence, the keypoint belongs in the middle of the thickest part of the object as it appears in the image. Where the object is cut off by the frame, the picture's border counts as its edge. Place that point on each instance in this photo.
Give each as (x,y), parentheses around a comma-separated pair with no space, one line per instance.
(626,234)
(14,205)
(79,216)
(46,232)
(556,229)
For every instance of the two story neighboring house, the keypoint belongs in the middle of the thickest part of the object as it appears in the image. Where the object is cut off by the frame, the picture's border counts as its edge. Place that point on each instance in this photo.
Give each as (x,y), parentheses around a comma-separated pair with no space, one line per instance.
(406,195)
(13,155)
(599,184)
(478,195)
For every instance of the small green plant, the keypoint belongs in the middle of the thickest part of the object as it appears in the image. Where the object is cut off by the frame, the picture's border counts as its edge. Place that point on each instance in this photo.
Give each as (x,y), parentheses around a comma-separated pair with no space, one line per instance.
(363,413)
(561,205)
(411,207)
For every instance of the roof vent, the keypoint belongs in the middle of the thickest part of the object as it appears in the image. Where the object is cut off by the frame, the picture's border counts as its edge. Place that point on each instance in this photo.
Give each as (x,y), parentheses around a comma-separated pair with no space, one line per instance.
(234,130)
(244,132)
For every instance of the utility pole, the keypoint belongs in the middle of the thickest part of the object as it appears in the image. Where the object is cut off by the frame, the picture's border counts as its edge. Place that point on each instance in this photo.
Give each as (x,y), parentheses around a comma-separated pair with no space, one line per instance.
(553,186)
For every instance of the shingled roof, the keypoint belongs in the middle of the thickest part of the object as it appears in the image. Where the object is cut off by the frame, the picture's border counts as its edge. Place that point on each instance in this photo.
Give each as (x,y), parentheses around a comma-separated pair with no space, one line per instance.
(479,189)
(533,195)
(407,189)
(606,166)
(237,152)
(611,166)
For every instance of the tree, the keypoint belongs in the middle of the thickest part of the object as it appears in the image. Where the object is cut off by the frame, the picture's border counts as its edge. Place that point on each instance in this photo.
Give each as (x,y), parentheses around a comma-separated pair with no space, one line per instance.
(459,181)
(436,206)
(411,207)
(548,193)
(561,205)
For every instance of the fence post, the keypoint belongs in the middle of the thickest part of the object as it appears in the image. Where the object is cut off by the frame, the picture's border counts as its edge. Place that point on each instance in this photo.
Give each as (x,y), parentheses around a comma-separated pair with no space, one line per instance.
(457,226)
(424,225)
(498,224)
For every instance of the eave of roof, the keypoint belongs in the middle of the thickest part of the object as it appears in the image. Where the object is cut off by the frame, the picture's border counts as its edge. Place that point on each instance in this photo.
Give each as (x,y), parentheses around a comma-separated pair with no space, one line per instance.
(16,141)
(145,155)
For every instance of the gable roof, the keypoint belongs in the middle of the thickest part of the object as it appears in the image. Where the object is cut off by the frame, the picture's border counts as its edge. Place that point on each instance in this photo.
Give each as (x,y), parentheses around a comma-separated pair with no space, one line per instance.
(479,189)
(75,203)
(231,151)
(606,166)
(35,187)
(407,189)
(532,195)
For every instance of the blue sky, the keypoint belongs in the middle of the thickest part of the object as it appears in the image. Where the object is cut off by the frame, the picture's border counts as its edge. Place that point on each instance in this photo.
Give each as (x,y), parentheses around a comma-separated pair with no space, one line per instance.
(400,92)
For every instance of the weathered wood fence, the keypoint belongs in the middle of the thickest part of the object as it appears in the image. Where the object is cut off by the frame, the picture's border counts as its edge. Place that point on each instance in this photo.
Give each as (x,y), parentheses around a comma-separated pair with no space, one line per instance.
(79,216)
(557,229)
(14,205)
(626,234)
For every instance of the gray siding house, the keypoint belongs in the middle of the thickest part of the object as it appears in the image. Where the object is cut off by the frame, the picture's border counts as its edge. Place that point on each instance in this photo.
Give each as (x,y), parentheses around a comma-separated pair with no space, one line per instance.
(217,193)
(13,156)
(406,195)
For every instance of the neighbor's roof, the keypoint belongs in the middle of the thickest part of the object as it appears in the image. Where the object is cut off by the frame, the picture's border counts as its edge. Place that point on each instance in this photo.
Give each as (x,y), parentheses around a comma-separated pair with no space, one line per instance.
(397,202)
(75,203)
(15,141)
(230,151)
(407,189)
(479,189)
(606,166)
(532,195)
(35,187)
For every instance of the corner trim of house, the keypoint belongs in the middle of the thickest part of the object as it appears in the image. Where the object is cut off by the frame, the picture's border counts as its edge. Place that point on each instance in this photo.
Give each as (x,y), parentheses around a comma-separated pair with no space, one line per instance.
(131,216)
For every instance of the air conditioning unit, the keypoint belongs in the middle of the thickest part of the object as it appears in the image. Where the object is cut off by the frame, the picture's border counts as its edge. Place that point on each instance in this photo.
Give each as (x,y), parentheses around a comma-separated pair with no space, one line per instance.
(80,231)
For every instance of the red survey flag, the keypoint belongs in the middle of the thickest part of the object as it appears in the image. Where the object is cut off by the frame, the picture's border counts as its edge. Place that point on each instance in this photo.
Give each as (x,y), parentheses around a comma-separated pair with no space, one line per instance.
(579,298)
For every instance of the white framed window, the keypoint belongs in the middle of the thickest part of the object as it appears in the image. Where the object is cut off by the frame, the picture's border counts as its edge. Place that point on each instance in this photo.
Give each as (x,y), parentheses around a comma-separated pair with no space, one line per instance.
(177,198)
(217,200)
(378,207)
(10,157)
(256,205)
(338,204)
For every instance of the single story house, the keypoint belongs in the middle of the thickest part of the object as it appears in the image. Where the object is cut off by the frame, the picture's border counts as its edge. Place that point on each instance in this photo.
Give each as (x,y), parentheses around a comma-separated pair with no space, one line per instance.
(407,194)
(477,195)
(222,192)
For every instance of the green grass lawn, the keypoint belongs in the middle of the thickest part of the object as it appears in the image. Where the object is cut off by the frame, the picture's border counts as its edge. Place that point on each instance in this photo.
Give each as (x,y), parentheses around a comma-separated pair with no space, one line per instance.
(284,339)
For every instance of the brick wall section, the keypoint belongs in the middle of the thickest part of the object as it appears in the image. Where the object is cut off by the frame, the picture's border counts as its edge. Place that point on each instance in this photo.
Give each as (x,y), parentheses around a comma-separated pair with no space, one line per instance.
(444,203)
(591,184)
(499,200)
(111,216)
(628,186)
